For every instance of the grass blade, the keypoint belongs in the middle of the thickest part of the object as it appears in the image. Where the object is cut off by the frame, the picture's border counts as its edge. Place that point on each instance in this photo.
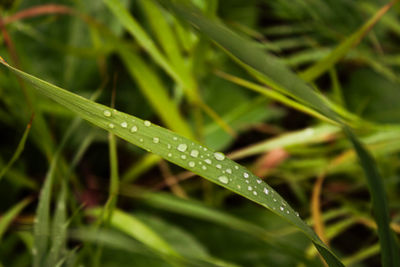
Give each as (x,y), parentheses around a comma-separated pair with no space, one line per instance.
(265,66)
(18,151)
(133,227)
(9,216)
(179,150)
(341,50)
(152,87)
(389,247)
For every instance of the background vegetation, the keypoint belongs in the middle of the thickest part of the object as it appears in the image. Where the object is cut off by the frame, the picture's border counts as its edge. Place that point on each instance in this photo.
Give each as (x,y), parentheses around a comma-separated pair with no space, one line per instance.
(297,92)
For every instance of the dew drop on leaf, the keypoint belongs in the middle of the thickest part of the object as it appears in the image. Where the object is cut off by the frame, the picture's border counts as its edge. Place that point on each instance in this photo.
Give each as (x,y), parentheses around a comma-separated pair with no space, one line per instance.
(107,113)
(219,156)
(182,147)
(223,179)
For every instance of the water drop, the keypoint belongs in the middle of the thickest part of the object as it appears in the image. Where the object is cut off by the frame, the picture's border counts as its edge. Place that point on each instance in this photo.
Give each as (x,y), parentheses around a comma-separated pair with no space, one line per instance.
(274,199)
(141,140)
(183,156)
(287,212)
(147,123)
(218,166)
(175,138)
(297,214)
(124,124)
(111,126)
(223,179)
(229,171)
(281,208)
(182,147)
(134,129)
(249,188)
(169,146)
(204,168)
(255,193)
(192,164)
(194,153)
(107,113)
(238,186)
(169,155)
(237,167)
(247,181)
(208,161)
(219,156)
(266,191)
(156,140)
(259,181)
(245,175)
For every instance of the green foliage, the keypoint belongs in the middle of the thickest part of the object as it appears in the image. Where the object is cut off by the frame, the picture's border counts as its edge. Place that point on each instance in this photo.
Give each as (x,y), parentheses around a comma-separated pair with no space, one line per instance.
(290,90)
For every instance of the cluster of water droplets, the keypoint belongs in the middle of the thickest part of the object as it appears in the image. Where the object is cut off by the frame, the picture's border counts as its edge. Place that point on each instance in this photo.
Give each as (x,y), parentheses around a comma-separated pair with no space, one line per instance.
(197,157)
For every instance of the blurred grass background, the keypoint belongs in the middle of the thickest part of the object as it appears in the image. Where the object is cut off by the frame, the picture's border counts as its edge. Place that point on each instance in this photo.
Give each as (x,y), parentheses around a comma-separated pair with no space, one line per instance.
(155,66)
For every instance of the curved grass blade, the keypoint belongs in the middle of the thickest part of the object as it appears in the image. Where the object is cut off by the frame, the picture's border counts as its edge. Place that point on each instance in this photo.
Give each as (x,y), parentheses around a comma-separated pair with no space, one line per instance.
(341,50)
(18,151)
(135,228)
(389,247)
(265,66)
(181,151)
(9,216)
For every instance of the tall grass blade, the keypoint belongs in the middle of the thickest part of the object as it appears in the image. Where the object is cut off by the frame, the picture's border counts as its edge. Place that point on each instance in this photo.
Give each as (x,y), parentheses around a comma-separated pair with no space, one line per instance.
(177,149)
(133,227)
(10,215)
(390,251)
(266,66)
(18,151)
(344,47)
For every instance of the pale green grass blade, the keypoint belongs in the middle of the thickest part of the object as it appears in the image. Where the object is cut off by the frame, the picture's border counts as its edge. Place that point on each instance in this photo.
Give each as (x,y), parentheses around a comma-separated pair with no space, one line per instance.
(155,92)
(163,32)
(274,95)
(59,228)
(114,175)
(265,66)
(180,151)
(18,151)
(306,136)
(362,255)
(141,36)
(140,167)
(135,228)
(389,246)
(198,210)
(10,215)
(41,228)
(343,48)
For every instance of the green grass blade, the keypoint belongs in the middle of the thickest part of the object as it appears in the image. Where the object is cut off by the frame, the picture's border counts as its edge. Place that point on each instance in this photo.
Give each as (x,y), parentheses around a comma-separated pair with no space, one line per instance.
(341,50)
(305,136)
(163,32)
(135,228)
(9,216)
(265,66)
(18,151)
(153,89)
(389,247)
(179,150)
(141,36)
(59,228)
(41,228)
